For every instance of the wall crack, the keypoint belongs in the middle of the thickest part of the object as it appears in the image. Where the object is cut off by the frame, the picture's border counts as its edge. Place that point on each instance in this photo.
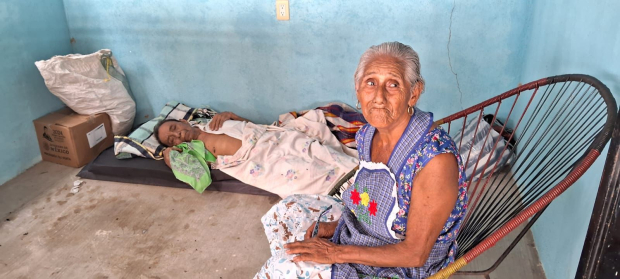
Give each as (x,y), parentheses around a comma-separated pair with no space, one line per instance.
(456,76)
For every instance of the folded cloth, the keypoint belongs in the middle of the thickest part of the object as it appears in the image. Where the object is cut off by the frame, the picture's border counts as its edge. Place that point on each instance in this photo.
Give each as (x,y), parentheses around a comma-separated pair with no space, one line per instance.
(190,165)
(142,143)
(342,119)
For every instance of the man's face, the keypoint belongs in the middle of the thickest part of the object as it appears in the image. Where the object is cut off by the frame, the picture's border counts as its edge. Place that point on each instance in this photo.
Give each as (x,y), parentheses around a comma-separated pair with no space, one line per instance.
(173,133)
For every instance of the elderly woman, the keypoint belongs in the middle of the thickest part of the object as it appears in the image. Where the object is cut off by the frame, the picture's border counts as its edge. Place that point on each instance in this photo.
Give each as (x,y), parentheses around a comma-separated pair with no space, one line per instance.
(401,214)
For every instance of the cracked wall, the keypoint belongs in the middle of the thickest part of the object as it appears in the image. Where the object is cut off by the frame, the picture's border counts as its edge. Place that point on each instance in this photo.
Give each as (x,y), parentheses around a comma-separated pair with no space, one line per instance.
(234,55)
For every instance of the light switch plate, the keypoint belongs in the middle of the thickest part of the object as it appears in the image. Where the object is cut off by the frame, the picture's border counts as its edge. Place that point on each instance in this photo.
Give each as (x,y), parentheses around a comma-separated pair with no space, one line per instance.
(282,12)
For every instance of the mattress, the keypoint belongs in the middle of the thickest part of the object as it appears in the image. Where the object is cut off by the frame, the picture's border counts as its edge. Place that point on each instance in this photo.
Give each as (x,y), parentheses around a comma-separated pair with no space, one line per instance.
(152,172)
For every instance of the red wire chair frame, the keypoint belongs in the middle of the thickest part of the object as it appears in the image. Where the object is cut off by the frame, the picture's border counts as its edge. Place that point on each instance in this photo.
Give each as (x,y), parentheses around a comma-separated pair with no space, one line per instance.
(578,169)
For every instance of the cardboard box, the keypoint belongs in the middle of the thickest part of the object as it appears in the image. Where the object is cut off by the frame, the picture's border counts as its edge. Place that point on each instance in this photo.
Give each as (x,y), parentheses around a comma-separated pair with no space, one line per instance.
(71,139)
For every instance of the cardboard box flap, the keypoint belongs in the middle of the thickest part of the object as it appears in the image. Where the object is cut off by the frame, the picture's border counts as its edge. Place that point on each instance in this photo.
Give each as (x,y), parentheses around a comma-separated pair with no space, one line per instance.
(49,119)
(65,117)
(64,111)
(71,121)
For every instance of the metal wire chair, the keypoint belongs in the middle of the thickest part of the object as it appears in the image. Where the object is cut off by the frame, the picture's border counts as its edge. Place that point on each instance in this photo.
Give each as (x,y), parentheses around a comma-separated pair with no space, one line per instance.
(561,125)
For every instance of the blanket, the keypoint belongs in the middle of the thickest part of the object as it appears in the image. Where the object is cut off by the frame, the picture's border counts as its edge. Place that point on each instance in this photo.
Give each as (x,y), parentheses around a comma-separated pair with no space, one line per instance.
(342,119)
(302,157)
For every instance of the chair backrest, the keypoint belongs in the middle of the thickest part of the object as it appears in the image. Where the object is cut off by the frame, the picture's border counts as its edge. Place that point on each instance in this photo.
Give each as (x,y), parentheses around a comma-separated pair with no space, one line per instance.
(559,126)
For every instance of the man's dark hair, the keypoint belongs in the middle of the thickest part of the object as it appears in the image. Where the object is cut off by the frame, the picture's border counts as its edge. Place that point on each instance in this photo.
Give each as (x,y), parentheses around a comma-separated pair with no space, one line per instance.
(156,129)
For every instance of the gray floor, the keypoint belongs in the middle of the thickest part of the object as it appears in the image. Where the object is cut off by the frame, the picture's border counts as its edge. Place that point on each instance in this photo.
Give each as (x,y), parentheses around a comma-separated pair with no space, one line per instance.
(115,230)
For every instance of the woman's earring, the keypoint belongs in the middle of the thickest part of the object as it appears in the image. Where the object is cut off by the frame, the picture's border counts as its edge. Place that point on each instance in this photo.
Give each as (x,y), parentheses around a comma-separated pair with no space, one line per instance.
(410,110)
(358,105)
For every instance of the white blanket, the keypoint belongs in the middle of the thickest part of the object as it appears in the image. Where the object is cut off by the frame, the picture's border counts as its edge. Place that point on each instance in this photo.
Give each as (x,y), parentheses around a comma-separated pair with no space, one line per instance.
(303,157)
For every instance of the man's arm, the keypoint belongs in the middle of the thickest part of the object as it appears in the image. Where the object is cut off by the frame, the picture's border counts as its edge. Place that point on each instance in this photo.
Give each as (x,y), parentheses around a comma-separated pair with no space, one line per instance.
(166,154)
(218,120)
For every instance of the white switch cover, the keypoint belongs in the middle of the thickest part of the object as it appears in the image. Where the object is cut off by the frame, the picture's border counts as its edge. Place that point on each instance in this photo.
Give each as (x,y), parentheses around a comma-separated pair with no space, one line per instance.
(282,10)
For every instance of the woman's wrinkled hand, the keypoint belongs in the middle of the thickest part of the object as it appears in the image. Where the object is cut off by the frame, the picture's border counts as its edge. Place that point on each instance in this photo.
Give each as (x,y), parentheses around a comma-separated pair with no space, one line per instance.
(318,250)
(166,154)
(218,120)
(326,230)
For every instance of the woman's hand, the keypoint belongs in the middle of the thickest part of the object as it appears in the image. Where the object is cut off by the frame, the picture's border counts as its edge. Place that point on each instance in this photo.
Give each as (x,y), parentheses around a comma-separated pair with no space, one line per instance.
(326,230)
(166,154)
(219,119)
(318,250)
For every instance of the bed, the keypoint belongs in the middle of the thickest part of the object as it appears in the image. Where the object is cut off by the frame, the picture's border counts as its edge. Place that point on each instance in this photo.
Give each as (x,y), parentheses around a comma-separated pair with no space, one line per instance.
(155,172)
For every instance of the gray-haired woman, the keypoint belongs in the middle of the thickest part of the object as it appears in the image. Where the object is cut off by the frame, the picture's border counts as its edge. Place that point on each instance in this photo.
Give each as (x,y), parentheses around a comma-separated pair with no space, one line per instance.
(401,215)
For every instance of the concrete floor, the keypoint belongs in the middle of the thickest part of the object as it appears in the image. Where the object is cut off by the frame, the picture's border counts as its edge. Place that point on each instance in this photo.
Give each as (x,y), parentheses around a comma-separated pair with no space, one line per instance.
(116,230)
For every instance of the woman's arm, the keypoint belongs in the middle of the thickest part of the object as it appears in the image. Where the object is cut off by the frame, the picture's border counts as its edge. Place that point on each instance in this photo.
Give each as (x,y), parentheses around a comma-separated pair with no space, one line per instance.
(434,193)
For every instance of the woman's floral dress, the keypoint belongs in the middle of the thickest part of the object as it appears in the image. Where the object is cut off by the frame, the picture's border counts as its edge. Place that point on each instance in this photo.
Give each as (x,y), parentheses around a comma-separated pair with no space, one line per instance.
(373,211)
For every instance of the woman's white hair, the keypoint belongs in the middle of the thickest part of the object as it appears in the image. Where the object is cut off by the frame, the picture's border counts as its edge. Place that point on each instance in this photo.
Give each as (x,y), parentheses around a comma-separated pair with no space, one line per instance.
(402,52)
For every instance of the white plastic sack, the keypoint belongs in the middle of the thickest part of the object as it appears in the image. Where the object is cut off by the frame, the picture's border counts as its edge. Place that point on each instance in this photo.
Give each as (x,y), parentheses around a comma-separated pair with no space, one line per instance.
(91,84)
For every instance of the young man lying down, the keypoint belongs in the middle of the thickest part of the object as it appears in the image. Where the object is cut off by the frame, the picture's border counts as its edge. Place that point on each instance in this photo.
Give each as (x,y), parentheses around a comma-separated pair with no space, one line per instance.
(301,157)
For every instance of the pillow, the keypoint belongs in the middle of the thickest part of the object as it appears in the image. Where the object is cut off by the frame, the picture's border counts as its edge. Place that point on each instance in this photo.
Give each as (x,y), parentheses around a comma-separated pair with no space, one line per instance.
(142,143)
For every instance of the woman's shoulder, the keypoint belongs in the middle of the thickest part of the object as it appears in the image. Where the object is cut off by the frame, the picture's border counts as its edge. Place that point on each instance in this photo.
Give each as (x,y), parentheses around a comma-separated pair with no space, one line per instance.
(438,141)
(359,135)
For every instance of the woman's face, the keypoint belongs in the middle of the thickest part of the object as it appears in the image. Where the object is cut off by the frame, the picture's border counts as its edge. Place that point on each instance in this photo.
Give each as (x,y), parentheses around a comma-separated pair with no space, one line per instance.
(384,93)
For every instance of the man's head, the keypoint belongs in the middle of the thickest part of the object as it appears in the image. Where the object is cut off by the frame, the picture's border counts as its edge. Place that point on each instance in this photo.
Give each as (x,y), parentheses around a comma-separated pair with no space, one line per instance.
(172,132)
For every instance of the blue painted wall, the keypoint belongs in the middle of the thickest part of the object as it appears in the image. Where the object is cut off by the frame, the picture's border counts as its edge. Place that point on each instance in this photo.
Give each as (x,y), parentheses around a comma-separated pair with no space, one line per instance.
(30,30)
(570,36)
(234,55)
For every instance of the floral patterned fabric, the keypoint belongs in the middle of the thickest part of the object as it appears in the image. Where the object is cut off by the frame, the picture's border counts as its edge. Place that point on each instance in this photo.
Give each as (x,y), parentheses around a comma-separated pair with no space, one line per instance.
(190,165)
(286,222)
(302,157)
(435,142)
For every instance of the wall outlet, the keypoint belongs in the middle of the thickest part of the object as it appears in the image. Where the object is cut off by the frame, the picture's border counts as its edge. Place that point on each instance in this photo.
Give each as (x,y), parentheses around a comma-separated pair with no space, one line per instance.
(282,10)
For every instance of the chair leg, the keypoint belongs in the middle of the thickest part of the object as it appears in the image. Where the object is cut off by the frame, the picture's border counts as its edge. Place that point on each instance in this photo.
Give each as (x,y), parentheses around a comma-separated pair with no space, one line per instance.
(488,271)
